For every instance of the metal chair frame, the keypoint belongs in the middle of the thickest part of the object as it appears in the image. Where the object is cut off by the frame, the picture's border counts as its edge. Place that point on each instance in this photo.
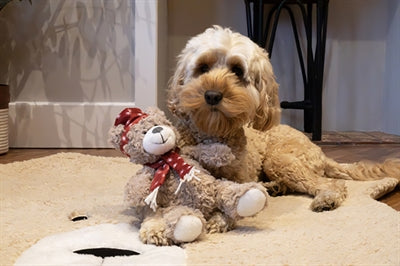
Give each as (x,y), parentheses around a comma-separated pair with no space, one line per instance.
(313,70)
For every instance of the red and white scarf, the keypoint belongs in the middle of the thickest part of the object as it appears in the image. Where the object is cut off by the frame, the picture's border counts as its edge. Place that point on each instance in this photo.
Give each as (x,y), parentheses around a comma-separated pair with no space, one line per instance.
(167,161)
(130,117)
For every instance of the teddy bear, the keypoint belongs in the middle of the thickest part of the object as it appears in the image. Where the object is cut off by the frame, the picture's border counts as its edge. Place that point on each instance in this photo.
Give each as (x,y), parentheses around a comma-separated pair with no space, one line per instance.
(174,199)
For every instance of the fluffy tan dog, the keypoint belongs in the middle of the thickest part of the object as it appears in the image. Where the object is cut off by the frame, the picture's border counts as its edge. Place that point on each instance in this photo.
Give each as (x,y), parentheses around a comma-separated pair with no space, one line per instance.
(225,96)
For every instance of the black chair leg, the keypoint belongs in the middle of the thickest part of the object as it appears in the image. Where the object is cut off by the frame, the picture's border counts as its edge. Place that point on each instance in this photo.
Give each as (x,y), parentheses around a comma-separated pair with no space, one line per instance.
(322,21)
(313,76)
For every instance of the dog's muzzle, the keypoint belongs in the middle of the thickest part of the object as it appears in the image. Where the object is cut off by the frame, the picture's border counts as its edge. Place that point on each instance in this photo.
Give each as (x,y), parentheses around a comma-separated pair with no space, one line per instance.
(213,97)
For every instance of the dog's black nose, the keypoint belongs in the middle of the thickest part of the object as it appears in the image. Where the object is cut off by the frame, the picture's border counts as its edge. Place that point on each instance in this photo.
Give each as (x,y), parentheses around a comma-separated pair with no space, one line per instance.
(213,97)
(157,130)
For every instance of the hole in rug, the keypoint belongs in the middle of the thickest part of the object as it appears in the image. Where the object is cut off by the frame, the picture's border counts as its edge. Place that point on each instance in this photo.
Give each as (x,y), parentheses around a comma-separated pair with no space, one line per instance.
(106,252)
(79,218)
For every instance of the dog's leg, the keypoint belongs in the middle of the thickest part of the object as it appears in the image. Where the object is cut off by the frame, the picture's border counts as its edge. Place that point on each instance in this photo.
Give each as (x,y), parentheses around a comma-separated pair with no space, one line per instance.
(294,174)
(275,188)
(152,231)
(219,223)
(328,193)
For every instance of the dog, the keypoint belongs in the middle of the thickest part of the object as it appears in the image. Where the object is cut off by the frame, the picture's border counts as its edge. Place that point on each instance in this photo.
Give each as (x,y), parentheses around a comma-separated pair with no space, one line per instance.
(224,94)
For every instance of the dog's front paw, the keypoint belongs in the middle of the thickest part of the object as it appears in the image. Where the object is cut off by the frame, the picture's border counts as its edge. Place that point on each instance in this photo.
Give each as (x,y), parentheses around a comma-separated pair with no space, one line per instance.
(219,223)
(275,188)
(153,232)
(327,200)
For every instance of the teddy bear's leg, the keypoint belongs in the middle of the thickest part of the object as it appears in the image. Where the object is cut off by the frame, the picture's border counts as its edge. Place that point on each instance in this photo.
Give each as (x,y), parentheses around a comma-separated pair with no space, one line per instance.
(138,188)
(183,224)
(219,223)
(153,230)
(241,200)
(172,225)
(251,203)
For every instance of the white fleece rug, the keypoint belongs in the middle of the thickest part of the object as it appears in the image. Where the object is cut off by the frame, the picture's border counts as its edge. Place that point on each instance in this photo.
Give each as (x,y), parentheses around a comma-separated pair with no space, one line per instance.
(104,244)
(39,198)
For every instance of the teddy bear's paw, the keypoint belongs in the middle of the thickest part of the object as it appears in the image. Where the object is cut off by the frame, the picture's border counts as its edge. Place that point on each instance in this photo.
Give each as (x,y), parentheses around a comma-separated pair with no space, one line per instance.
(217,155)
(210,154)
(327,200)
(188,228)
(219,223)
(251,203)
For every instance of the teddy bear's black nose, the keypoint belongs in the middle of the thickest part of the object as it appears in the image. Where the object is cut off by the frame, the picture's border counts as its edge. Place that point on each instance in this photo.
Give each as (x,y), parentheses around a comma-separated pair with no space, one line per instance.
(213,97)
(157,130)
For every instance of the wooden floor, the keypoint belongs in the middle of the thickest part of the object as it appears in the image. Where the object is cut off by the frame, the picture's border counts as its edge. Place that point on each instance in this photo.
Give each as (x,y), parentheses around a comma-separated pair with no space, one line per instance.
(341,152)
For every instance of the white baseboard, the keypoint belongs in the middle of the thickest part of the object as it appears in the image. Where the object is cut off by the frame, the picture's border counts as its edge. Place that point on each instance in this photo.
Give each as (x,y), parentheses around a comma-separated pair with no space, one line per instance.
(62,124)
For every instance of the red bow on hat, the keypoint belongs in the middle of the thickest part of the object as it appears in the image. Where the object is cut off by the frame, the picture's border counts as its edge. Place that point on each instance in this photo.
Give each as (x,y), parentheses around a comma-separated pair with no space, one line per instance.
(128,117)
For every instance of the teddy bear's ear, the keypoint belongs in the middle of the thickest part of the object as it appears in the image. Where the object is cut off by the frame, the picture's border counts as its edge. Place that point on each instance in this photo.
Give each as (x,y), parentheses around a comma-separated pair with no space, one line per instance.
(155,112)
(159,118)
(114,136)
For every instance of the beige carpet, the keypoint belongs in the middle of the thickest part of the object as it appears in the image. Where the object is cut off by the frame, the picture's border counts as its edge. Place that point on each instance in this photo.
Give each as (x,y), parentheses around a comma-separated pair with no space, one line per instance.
(38,196)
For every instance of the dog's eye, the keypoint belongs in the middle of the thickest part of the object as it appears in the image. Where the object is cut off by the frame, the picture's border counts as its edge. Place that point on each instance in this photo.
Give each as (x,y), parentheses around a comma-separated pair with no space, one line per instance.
(203,68)
(238,71)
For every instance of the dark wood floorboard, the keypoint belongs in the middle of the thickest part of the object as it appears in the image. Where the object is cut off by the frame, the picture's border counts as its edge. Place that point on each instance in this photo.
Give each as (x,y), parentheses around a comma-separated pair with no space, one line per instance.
(342,153)
(372,152)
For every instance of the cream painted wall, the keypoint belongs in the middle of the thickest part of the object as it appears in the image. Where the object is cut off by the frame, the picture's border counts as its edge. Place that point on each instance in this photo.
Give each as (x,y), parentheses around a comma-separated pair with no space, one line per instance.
(73,50)
(73,65)
(362,72)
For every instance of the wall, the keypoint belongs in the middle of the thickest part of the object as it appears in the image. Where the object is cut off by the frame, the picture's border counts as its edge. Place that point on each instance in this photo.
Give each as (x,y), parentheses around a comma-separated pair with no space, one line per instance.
(73,65)
(362,73)
(391,96)
(74,50)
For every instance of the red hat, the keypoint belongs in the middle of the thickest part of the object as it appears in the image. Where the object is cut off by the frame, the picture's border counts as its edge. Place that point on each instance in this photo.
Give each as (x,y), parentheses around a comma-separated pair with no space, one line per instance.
(128,117)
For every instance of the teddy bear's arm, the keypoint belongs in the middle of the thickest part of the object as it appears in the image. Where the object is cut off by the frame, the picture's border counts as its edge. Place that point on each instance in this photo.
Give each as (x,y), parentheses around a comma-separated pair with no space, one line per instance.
(138,188)
(210,155)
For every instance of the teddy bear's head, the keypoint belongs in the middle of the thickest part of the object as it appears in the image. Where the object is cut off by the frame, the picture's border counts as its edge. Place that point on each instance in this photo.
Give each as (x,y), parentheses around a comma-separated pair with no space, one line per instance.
(143,136)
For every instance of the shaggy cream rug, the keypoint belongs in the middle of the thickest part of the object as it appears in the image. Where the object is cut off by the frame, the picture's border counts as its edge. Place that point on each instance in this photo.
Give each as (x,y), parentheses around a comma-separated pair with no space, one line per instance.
(40,198)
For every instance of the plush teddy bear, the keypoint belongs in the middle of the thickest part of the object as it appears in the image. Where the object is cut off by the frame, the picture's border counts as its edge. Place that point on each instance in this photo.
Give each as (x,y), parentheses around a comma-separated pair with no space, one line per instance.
(174,198)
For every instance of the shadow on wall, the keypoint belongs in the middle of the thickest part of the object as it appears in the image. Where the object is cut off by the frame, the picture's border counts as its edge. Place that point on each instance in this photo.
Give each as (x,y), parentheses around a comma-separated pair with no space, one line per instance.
(66,48)
(67,51)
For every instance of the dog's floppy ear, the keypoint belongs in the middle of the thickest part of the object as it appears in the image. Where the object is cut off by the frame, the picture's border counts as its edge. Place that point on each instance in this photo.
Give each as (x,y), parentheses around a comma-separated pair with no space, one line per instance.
(268,113)
(174,86)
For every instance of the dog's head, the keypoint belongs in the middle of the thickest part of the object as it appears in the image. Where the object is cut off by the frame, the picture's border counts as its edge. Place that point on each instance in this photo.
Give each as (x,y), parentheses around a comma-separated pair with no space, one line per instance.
(223,81)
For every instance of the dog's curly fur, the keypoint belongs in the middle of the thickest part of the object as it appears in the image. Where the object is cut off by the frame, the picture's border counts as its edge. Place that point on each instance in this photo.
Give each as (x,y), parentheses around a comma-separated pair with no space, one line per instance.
(246,119)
